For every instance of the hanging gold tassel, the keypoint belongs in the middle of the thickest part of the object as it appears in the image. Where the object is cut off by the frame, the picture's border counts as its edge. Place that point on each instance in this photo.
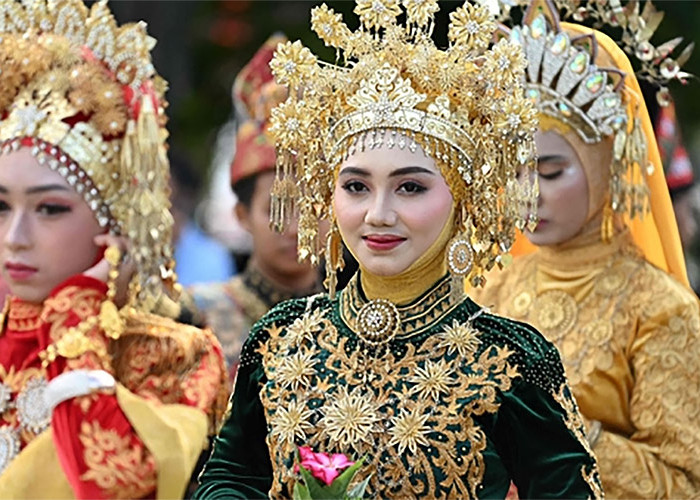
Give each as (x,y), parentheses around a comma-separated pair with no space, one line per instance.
(334,258)
(607,228)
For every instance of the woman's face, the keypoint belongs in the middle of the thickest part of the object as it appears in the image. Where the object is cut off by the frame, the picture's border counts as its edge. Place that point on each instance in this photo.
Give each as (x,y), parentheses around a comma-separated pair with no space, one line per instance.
(47,228)
(391,205)
(563,202)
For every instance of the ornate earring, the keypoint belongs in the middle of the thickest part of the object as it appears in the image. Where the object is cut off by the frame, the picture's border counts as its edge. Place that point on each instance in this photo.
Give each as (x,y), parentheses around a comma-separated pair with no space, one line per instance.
(334,257)
(110,320)
(460,259)
(606,226)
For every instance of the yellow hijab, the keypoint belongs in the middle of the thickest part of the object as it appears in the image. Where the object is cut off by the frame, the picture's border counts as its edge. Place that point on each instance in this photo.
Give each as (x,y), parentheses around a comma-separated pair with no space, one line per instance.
(656,234)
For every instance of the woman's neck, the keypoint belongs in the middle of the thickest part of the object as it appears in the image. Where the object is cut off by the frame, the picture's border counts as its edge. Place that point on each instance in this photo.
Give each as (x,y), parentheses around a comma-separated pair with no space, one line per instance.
(405,287)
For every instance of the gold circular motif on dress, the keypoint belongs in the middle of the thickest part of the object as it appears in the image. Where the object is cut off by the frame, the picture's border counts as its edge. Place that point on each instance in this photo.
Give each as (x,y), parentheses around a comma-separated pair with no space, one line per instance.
(598,333)
(556,313)
(611,283)
(522,303)
(378,322)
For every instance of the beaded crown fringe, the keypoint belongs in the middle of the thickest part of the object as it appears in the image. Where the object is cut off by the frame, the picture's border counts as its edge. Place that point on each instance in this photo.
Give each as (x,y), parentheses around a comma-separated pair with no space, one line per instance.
(464,106)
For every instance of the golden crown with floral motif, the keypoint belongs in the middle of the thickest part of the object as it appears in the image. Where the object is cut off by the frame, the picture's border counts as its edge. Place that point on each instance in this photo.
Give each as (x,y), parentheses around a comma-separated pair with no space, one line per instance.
(82,94)
(464,106)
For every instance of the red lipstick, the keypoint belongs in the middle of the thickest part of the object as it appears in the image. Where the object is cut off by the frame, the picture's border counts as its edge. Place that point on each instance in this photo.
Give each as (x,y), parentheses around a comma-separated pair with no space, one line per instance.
(382,242)
(19,272)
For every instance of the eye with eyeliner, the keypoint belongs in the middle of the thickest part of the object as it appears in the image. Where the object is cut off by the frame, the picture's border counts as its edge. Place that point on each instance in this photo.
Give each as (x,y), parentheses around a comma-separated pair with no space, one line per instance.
(354,186)
(50,209)
(549,176)
(411,187)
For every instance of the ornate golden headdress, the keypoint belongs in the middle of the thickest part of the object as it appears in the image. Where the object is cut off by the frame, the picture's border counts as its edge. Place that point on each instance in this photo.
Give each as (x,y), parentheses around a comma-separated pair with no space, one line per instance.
(464,106)
(82,93)
(595,101)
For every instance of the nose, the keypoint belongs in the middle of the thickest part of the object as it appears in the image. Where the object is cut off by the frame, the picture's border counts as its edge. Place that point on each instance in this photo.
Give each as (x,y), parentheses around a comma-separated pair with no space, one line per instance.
(17,232)
(380,211)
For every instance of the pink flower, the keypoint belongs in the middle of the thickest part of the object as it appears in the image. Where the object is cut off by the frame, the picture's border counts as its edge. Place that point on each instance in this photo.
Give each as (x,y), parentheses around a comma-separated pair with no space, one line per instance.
(322,466)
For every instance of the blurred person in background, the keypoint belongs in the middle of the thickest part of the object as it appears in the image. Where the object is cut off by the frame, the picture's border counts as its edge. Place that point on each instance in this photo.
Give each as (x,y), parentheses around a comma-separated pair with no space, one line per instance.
(680,176)
(199,257)
(273,273)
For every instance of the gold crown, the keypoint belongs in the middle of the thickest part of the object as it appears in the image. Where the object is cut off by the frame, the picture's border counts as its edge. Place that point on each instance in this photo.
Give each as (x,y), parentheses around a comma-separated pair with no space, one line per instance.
(565,83)
(596,101)
(636,26)
(83,94)
(464,106)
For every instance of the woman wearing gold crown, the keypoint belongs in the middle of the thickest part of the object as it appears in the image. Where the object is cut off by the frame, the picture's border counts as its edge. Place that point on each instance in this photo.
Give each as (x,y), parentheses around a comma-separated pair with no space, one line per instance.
(96,401)
(411,155)
(607,282)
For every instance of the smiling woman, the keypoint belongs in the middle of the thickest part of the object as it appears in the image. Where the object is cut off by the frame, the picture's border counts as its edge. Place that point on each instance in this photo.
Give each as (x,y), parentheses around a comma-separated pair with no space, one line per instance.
(100,386)
(414,165)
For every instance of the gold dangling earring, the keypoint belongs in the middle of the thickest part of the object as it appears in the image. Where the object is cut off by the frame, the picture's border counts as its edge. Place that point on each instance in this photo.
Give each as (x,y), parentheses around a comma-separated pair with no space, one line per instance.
(607,228)
(460,260)
(334,257)
(110,320)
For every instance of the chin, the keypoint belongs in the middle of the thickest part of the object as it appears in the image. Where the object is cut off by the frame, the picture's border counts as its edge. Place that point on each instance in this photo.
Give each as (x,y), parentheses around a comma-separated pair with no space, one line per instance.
(29,294)
(383,268)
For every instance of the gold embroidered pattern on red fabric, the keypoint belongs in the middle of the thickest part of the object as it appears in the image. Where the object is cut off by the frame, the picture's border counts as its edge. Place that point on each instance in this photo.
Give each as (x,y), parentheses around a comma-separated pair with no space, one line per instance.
(115,463)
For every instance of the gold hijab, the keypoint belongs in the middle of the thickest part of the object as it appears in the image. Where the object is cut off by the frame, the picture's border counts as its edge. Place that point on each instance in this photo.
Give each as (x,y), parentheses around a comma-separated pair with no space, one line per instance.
(656,233)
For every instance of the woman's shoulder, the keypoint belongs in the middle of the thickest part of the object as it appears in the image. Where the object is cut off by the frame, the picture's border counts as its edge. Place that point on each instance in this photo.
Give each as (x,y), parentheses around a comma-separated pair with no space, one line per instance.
(536,358)
(277,319)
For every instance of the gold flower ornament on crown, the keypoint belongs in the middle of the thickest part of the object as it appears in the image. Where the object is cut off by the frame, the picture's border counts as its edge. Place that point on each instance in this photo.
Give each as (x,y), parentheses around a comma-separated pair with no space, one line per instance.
(82,94)
(566,84)
(464,106)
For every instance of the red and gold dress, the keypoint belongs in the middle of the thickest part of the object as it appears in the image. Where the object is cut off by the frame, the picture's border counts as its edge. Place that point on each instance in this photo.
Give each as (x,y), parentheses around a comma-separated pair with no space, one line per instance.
(141,439)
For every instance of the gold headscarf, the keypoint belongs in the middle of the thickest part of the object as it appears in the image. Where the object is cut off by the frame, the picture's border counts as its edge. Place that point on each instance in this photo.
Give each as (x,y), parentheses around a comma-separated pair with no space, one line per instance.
(656,233)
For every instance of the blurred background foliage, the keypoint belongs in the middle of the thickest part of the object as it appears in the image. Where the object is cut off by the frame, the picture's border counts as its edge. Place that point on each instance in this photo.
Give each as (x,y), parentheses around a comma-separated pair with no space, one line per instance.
(202,45)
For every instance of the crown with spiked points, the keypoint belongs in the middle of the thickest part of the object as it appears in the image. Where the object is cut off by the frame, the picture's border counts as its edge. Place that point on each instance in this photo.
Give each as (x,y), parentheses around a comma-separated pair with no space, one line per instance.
(464,106)
(563,80)
(635,26)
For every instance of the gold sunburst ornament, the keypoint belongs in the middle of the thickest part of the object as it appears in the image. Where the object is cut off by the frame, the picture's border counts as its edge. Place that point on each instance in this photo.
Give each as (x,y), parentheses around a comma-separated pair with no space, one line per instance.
(393,87)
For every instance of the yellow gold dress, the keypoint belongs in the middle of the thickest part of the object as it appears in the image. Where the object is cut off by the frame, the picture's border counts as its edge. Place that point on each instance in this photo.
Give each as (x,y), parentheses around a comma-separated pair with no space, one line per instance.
(628,334)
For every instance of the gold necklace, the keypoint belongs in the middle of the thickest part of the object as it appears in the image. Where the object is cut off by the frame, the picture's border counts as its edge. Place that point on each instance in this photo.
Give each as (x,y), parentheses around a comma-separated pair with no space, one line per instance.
(378,322)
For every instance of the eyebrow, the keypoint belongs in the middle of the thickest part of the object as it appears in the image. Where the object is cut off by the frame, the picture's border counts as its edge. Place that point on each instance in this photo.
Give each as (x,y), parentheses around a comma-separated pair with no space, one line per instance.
(551,158)
(39,189)
(395,173)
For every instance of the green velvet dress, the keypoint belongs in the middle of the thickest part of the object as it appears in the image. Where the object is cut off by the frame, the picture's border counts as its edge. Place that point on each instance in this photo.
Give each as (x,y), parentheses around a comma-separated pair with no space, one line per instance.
(457,405)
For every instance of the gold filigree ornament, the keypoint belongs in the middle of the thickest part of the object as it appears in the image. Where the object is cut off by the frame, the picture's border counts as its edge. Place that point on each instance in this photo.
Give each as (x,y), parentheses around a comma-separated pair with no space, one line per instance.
(82,94)
(566,85)
(392,87)
(378,322)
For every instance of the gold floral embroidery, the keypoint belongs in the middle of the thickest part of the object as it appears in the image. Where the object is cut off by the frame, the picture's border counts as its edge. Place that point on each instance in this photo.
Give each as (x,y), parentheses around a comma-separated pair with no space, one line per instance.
(422,402)
(460,337)
(556,313)
(350,418)
(114,464)
(632,360)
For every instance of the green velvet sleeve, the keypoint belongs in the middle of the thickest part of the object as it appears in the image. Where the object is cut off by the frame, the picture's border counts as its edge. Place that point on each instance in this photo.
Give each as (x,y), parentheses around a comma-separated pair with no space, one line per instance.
(239,466)
(540,437)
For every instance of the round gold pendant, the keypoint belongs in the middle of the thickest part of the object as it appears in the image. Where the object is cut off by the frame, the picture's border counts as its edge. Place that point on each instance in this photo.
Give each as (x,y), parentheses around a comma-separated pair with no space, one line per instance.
(378,322)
